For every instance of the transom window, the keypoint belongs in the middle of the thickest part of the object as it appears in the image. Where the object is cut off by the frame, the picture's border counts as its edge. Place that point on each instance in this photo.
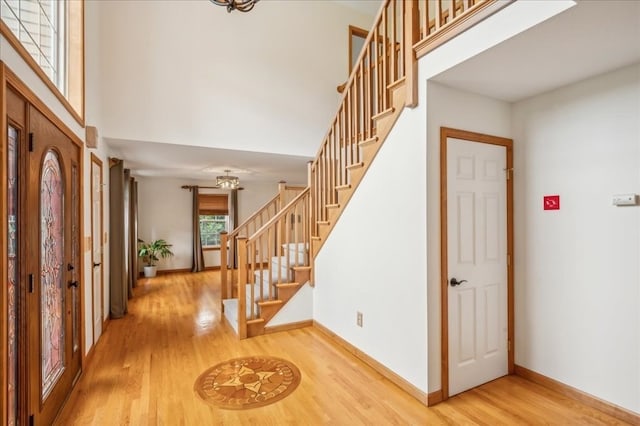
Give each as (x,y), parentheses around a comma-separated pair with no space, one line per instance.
(40,27)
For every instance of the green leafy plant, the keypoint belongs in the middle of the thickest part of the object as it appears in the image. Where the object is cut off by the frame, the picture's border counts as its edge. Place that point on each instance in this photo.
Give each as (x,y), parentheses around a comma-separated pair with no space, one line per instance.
(153,251)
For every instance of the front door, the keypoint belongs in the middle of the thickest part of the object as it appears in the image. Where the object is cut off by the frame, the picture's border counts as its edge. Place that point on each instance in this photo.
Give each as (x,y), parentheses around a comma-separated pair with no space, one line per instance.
(477,261)
(53,265)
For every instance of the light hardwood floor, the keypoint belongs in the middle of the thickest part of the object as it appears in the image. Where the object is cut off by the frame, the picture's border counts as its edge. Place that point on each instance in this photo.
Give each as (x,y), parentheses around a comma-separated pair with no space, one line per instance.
(145,365)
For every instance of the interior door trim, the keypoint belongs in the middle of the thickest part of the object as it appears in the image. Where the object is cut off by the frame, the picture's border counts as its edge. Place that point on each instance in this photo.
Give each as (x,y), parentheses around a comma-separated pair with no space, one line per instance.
(446,133)
(95,161)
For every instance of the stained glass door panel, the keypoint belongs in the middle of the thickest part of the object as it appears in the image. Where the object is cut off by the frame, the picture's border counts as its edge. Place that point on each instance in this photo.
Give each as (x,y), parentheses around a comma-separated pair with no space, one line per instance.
(52,290)
(12,276)
(52,243)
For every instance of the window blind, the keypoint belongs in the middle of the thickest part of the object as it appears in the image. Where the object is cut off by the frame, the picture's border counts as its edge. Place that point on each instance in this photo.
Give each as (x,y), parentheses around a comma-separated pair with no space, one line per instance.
(213,204)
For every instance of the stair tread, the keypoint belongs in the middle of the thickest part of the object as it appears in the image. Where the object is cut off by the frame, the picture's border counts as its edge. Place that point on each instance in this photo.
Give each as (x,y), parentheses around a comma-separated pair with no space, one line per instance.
(302,268)
(323,222)
(269,302)
(255,321)
(369,141)
(287,285)
(343,187)
(381,114)
(355,166)
(333,206)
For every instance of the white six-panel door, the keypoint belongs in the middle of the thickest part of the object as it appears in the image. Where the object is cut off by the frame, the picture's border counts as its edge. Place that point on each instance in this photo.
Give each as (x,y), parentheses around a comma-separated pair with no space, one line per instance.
(477,254)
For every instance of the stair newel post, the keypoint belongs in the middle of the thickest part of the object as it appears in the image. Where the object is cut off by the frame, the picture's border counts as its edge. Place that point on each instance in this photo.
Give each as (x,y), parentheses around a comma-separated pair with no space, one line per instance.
(282,200)
(242,287)
(281,228)
(223,266)
(411,36)
(311,215)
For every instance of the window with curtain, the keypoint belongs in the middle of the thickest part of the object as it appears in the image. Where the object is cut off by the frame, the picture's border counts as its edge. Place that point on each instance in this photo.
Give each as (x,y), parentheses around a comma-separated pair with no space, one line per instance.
(214,218)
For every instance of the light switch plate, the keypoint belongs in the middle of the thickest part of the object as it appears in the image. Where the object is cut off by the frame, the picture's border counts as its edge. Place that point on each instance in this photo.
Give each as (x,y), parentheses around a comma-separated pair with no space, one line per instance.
(625,200)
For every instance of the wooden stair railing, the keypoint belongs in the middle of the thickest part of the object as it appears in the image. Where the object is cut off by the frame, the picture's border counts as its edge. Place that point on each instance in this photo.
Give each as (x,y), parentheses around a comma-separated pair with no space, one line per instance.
(381,84)
(229,241)
(272,265)
(371,102)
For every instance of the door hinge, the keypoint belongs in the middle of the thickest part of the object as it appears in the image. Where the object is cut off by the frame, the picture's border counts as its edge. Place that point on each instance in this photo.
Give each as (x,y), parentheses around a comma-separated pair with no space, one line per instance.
(508,260)
(508,172)
(30,142)
(31,420)
(509,345)
(30,283)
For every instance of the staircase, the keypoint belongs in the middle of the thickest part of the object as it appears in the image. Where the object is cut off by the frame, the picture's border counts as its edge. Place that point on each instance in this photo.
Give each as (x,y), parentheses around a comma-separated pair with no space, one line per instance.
(271,288)
(264,271)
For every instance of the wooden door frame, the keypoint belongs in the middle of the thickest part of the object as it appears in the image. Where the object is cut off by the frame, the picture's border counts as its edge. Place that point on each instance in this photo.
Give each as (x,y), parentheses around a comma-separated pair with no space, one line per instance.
(96,161)
(446,133)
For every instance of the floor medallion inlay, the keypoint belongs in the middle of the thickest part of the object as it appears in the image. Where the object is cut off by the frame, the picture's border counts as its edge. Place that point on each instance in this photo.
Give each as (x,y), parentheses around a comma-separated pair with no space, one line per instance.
(244,383)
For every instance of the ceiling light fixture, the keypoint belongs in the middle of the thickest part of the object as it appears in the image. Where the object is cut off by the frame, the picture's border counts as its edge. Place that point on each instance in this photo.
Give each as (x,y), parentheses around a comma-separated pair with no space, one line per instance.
(241,5)
(227,182)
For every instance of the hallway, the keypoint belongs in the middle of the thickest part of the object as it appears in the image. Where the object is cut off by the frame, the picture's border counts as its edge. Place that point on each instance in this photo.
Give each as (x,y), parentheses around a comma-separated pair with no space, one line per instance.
(145,365)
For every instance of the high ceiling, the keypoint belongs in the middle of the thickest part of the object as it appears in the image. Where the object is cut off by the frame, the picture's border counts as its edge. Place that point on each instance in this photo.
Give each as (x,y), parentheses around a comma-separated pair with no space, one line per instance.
(562,50)
(147,157)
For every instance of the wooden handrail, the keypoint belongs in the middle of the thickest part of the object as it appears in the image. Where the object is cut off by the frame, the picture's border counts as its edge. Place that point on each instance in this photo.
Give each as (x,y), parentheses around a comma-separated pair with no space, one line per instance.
(262,209)
(383,61)
(399,35)
(278,216)
(267,257)
(387,57)
(229,241)
(251,218)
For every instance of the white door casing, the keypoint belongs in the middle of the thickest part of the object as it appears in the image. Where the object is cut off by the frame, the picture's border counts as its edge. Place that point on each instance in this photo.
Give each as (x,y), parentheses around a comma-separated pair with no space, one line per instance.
(96,249)
(476,253)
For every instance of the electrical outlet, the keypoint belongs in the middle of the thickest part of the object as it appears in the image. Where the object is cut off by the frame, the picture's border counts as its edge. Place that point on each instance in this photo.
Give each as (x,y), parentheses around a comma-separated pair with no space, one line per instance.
(359,319)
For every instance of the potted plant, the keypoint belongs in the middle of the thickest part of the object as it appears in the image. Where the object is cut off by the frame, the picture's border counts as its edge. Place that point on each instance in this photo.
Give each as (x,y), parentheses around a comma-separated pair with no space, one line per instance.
(151,253)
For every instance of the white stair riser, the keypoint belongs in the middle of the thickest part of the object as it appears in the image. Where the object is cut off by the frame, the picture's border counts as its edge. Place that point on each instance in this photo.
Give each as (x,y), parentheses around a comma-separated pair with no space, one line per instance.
(299,247)
(292,259)
(285,275)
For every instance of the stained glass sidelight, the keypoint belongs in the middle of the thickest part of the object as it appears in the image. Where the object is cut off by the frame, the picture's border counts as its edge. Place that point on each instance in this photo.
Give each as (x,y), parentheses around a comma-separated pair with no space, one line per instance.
(51,271)
(12,275)
(75,249)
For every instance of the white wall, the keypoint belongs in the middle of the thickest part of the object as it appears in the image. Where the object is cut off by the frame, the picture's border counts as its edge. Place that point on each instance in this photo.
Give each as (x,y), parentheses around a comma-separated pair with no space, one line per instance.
(578,269)
(374,259)
(349,273)
(93,114)
(447,107)
(188,72)
(164,211)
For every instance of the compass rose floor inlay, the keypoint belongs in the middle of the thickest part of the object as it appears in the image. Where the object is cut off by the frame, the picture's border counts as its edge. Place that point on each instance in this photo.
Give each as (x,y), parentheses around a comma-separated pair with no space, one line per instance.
(251,382)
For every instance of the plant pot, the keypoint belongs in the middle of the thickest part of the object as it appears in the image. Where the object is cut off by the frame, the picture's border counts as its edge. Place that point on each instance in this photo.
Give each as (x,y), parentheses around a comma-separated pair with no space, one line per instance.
(150,271)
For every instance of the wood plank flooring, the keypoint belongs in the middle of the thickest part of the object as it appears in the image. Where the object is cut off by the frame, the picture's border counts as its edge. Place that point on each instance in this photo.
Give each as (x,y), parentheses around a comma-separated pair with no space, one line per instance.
(145,365)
